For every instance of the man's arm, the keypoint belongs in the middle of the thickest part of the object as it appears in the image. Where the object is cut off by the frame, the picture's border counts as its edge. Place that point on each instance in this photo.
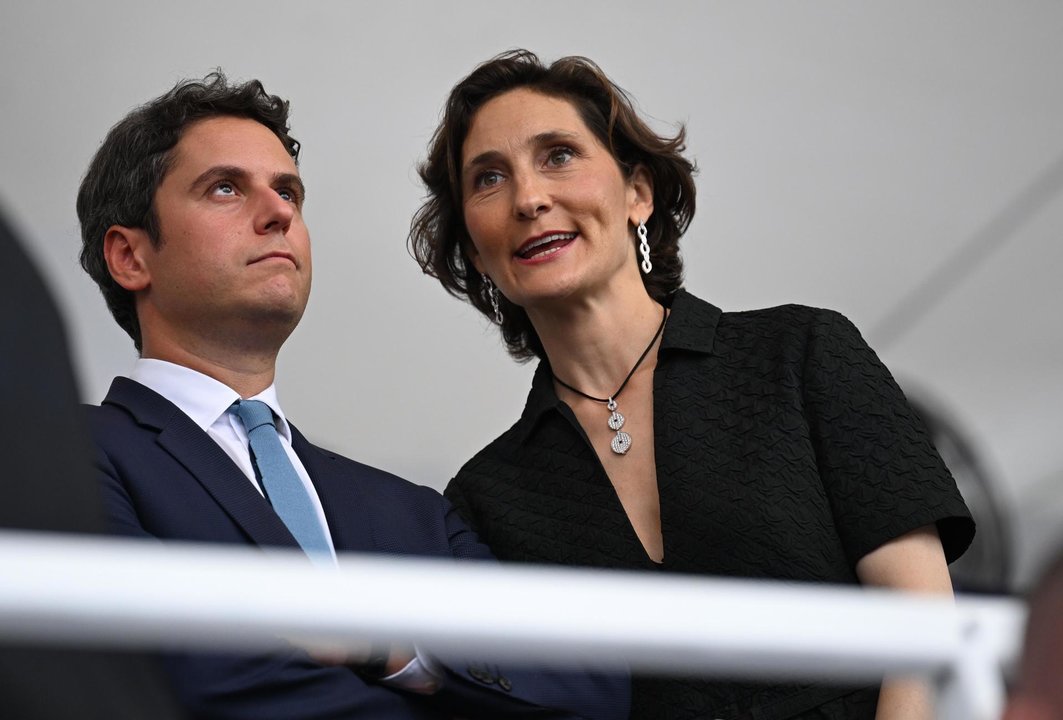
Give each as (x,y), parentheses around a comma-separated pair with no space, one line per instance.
(283,685)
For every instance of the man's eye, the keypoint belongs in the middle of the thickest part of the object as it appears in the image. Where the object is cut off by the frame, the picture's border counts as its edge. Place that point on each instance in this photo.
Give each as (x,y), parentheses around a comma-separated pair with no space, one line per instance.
(225,188)
(288,195)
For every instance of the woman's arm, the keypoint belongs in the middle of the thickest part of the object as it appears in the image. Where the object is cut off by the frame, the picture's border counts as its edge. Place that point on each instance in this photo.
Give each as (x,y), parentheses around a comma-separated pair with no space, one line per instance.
(913,562)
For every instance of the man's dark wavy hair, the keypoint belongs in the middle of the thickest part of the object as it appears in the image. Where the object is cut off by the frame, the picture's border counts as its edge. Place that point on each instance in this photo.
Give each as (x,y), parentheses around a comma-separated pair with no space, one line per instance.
(119,186)
(438,237)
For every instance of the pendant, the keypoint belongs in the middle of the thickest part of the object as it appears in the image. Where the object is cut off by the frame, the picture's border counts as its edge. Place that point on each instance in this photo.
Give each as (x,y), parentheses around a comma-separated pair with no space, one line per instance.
(622,441)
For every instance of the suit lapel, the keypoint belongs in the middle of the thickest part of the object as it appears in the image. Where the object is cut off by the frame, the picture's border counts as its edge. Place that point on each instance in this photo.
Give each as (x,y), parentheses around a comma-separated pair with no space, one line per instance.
(342,498)
(201,456)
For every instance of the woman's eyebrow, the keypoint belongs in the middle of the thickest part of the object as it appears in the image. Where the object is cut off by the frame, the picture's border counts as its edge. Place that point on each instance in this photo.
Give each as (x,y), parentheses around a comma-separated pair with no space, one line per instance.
(547,137)
(487,157)
(552,136)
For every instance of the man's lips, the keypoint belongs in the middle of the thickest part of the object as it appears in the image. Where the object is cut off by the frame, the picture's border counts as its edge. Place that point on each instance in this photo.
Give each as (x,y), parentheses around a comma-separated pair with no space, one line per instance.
(278,255)
(545,244)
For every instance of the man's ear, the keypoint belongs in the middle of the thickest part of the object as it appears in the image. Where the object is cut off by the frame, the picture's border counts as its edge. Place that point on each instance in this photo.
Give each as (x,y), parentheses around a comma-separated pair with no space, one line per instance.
(124,249)
(640,195)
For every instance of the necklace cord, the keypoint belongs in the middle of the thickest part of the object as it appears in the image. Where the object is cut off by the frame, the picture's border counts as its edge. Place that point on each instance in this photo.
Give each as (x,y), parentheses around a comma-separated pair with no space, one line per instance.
(614,396)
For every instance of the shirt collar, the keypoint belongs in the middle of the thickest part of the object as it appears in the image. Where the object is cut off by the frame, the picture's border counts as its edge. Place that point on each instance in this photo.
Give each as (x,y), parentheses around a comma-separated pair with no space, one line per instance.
(199,396)
(691,324)
(691,327)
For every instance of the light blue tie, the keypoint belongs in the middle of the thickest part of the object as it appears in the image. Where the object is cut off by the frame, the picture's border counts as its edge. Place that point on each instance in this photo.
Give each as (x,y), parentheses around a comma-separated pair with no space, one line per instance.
(283,487)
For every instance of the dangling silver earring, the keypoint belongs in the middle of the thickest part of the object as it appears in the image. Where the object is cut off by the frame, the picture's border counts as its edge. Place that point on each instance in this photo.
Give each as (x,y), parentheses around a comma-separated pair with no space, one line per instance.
(644,247)
(492,295)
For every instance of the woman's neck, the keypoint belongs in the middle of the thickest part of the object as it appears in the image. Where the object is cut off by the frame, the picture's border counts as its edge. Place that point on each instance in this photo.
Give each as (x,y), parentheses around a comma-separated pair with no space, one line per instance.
(592,344)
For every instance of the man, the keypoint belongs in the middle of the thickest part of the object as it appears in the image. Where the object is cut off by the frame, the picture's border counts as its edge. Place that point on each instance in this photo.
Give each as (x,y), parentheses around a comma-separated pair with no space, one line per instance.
(1038,690)
(191,215)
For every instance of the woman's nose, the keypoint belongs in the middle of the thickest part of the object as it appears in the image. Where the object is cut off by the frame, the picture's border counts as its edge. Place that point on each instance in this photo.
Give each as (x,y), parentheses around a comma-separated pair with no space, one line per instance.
(531,197)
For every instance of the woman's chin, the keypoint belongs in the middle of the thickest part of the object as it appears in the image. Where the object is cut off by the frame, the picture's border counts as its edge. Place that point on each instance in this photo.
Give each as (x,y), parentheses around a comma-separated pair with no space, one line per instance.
(560,294)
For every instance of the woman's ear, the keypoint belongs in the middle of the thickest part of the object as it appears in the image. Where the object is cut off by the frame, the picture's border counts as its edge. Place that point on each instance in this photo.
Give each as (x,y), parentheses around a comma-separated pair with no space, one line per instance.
(640,195)
(124,249)
(473,256)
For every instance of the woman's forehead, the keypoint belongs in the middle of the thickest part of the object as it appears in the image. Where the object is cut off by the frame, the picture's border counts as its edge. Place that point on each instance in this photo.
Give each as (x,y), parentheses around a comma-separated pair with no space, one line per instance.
(517,118)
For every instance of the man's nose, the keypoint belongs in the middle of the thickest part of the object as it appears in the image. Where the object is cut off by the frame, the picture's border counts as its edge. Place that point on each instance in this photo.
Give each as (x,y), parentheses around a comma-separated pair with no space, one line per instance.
(273,213)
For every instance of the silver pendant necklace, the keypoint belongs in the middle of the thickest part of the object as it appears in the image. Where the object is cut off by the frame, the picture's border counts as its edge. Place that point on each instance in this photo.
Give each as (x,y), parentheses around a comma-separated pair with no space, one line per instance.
(621,442)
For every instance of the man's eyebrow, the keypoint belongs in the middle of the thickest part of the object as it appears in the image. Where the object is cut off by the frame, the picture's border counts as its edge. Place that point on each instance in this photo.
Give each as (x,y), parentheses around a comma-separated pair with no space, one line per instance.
(219,172)
(291,180)
(544,138)
(239,174)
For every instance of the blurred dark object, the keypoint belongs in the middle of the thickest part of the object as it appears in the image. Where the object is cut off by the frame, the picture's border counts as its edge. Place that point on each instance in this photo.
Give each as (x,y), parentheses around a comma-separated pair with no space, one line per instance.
(986,566)
(46,483)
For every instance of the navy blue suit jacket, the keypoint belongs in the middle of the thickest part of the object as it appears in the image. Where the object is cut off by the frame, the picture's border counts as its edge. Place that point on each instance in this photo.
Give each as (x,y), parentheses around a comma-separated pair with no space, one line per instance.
(165,478)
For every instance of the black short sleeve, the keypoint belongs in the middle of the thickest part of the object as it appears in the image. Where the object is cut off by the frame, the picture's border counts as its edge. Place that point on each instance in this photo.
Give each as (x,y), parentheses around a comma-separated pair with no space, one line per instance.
(881,472)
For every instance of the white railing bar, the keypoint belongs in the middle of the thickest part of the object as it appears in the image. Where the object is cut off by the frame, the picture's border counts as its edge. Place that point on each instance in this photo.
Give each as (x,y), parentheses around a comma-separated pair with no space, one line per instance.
(114,592)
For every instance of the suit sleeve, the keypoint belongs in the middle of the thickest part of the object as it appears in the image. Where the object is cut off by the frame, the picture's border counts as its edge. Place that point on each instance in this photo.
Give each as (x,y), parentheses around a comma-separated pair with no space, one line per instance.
(574,693)
(118,506)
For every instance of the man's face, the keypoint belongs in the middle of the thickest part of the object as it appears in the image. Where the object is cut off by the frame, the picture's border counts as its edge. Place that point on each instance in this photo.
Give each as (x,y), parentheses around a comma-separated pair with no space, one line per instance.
(234,256)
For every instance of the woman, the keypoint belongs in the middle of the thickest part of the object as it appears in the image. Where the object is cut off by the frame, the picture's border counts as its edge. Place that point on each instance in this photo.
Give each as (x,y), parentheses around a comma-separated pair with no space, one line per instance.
(661,433)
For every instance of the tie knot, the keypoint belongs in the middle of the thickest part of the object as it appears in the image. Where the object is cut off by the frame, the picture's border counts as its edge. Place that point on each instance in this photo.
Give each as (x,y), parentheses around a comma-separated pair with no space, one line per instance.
(253,413)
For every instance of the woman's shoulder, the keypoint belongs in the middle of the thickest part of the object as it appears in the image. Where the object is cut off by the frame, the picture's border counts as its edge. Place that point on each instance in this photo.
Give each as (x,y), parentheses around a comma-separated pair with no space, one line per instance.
(490,460)
(789,317)
(813,329)
(488,483)
(792,339)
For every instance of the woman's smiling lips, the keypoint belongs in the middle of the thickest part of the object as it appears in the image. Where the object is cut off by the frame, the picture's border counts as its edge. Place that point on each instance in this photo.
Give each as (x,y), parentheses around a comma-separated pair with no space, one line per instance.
(543,247)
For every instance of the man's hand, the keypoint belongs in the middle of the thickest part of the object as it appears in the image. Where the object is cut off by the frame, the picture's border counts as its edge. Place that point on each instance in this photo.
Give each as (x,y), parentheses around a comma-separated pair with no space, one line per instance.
(371,660)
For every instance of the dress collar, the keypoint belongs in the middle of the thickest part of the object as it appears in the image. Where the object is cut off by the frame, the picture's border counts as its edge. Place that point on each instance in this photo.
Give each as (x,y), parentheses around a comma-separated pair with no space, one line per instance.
(691,327)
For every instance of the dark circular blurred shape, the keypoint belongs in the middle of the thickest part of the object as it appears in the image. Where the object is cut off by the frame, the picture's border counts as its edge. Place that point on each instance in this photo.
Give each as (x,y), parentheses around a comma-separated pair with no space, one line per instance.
(986,566)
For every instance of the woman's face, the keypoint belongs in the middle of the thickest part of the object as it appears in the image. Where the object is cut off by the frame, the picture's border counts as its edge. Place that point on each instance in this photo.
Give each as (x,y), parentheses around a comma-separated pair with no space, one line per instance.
(546,205)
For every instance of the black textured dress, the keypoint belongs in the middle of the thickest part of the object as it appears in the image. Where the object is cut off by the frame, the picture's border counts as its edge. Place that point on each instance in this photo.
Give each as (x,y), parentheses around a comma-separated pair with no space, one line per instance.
(784,450)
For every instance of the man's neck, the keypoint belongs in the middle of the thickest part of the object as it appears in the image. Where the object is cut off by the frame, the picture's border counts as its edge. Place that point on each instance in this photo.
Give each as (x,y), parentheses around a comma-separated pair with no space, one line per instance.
(245,371)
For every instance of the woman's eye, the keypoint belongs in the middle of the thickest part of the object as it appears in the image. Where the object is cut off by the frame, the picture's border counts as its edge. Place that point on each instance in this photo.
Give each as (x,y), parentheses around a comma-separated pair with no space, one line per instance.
(560,156)
(488,179)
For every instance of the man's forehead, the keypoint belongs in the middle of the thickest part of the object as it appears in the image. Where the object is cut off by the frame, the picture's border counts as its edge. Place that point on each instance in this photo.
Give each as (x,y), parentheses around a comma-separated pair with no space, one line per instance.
(231,141)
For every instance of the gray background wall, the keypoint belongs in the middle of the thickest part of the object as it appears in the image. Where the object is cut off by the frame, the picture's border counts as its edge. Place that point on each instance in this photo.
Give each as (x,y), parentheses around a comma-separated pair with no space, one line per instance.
(899,161)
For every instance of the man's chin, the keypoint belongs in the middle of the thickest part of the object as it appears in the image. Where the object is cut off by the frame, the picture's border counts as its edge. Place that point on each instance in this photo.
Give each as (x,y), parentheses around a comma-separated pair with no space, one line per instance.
(268,323)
